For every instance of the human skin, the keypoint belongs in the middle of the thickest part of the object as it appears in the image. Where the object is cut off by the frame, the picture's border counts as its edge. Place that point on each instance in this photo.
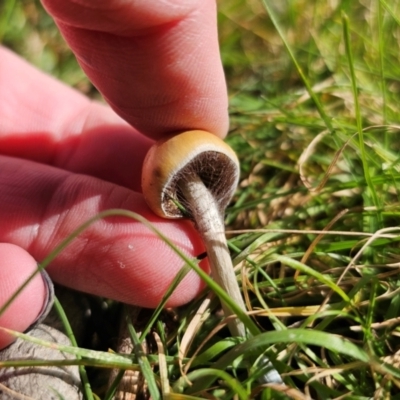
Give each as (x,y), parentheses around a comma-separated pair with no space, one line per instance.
(64,158)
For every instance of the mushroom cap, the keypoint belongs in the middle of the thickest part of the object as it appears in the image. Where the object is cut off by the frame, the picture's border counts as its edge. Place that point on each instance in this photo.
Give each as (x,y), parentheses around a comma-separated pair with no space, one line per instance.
(176,158)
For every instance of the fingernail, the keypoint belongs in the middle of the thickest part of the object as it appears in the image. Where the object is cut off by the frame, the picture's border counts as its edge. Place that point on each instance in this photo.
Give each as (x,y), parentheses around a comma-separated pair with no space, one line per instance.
(48,302)
(202,256)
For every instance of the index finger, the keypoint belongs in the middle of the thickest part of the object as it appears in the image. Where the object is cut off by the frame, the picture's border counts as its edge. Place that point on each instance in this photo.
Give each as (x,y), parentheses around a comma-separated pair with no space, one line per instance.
(157,63)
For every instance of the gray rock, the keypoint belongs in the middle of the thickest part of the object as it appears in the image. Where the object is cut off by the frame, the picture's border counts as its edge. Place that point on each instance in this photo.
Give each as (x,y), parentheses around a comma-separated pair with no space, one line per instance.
(39,383)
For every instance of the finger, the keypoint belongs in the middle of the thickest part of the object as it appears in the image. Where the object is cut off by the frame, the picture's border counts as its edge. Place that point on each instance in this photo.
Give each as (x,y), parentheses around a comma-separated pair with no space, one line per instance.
(117,258)
(46,121)
(157,63)
(16,265)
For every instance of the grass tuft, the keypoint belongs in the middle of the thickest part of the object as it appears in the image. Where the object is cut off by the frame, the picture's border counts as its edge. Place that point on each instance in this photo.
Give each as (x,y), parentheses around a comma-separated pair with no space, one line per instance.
(314,227)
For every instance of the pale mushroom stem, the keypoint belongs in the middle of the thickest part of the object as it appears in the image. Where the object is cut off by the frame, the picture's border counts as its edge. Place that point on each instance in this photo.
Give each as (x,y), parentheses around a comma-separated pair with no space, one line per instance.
(209,221)
(210,224)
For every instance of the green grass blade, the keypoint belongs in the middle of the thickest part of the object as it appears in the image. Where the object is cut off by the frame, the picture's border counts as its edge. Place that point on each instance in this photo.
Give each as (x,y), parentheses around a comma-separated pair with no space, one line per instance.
(87,356)
(367,175)
(174,284)
(6,11)
(145,365)
(87,391)
(381,47)
(300,71)
(392,13)
(329,341)
(310,271)
(213,373)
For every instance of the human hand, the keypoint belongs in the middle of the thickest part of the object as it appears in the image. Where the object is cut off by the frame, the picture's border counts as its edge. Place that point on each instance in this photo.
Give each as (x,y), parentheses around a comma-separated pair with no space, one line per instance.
(64,158)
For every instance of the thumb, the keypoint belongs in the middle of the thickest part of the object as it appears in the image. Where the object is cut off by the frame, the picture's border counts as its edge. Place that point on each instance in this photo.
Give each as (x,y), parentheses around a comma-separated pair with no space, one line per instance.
(16,265)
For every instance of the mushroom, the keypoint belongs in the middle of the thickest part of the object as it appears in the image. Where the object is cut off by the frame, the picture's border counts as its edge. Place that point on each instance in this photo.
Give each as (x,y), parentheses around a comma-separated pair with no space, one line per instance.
(195,174)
